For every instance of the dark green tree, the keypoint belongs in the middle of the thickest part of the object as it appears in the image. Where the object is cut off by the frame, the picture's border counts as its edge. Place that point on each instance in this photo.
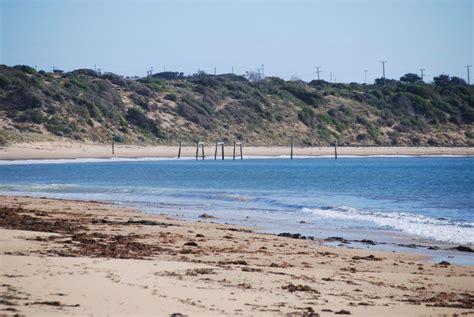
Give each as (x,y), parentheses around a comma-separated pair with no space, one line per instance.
(457,81)
(441,80)
(411,78)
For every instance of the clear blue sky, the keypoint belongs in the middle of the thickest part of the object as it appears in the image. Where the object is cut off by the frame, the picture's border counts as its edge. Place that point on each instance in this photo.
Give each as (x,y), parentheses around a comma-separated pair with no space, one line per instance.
(288,37)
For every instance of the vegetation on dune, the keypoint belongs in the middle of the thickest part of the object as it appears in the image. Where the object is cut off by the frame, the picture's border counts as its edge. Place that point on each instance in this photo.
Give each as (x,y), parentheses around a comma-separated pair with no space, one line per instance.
(169,107)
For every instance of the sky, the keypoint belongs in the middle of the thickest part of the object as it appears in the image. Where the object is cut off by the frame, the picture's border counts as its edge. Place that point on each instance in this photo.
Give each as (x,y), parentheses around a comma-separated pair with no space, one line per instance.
(290,38)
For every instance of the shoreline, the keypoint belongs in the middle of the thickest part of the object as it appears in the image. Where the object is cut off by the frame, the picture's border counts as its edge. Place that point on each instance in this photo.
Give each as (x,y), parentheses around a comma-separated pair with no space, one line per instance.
(74,150)
(53,250)
(381,240)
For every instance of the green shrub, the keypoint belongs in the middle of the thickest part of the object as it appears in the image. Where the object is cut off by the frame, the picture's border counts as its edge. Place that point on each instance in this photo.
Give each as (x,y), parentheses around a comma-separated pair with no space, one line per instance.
(4,81)
(136,117)
(123,122)
(171,97)
(26,69)
(118,138)
(307,116)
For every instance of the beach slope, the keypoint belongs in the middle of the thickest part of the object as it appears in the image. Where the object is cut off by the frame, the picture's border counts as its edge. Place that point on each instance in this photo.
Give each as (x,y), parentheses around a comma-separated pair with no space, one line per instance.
(60,257)
(75,150)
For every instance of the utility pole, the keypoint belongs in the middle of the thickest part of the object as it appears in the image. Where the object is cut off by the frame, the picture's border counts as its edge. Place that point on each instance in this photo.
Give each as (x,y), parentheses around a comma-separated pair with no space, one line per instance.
(259,74)
(263,71)
(318,71)
(383,70)
(330,76)
(468,77)
(149,72)
(422,70)
(365,76)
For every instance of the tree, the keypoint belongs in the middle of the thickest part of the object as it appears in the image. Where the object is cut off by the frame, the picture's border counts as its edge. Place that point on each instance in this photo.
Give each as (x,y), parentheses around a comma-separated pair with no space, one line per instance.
(385,81)
(411,78)
(457,81)
(441,80)
(253,75)
(169,75)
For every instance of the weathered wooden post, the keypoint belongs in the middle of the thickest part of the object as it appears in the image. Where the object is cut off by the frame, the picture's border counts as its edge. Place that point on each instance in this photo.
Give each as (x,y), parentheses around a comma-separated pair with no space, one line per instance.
(113,148)
(197,149)
(291,153)
(179,151)
(235,144)
(335,150)
(202,147)
(222,150)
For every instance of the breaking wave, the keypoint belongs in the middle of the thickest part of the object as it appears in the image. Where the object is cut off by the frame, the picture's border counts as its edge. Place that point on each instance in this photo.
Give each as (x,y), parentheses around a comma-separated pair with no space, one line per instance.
(440,229)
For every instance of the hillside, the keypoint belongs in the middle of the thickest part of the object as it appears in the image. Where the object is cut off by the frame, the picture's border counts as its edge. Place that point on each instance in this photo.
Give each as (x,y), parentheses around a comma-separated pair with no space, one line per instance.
(168,107)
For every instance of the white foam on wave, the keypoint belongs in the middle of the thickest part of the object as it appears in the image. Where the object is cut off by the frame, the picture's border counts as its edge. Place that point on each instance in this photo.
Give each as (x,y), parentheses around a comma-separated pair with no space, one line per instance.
(419,225)
(89,160)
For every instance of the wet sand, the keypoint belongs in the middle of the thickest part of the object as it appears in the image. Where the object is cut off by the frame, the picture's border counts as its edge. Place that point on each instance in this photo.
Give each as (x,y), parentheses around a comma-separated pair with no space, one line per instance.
(62,257)
(71,150)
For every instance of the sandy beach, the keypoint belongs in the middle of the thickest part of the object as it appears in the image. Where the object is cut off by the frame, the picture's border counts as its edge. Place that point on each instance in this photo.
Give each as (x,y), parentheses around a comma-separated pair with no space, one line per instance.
(72,150)
(60,257)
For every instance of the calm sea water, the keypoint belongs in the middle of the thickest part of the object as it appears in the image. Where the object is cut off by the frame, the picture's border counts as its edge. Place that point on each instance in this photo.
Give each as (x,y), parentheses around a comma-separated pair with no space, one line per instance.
(421,197)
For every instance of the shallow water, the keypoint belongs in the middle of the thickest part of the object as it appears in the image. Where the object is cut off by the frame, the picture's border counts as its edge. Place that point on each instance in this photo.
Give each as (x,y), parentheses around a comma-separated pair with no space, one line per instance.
(386,198)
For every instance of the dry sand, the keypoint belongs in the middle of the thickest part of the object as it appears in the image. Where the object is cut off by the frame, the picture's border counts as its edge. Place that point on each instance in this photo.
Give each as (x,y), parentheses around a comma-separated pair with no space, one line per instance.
(60,257)
(62,150)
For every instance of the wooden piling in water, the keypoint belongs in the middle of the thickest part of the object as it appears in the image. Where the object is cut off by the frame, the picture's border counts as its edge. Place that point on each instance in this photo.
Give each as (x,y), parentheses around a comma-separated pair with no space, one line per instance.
(222,150)
(113,148)
(240,144)
(197,150)
(179,151)
(291,153)
(335,150)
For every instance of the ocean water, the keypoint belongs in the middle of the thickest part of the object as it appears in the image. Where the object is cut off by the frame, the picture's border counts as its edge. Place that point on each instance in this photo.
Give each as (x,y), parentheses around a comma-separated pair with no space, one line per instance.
(417,198)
